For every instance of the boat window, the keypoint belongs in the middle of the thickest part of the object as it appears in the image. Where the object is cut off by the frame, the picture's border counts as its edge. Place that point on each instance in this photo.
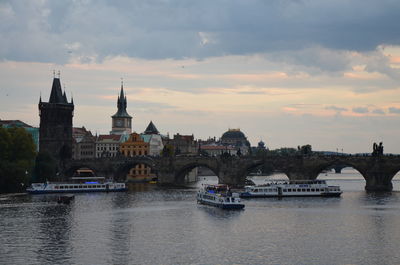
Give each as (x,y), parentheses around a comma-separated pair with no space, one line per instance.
(308,190)
(76,186)
(85,186)
(284,190)
(298,190)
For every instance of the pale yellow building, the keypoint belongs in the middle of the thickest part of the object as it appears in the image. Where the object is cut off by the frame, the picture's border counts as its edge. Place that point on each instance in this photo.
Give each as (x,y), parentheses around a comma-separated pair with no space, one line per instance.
(136,146)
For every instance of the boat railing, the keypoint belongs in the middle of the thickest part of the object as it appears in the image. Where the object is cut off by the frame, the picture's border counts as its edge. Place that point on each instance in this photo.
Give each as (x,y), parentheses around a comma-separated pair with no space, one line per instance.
(287,182)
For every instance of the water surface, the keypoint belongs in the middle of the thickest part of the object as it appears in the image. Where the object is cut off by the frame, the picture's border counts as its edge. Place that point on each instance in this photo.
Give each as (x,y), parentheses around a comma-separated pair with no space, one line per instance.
(148,225)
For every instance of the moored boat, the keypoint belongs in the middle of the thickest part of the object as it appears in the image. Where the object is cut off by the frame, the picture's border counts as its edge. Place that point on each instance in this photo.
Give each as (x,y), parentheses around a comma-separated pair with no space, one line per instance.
(83,181)
(292,188)
(219,196)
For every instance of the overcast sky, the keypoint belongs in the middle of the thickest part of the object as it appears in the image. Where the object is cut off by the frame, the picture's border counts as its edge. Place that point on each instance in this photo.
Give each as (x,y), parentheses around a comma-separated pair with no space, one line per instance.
(289,72)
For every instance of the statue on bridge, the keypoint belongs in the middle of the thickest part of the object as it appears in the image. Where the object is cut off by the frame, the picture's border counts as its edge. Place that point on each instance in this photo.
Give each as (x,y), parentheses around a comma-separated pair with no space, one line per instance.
(377,149)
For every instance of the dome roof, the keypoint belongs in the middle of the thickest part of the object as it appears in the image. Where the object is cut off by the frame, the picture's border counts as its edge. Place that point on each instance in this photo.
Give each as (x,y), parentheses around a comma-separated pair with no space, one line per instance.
(233,134)
(261,144)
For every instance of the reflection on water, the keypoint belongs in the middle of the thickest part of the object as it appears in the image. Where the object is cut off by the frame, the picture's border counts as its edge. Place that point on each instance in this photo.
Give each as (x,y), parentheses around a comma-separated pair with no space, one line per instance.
(152,225)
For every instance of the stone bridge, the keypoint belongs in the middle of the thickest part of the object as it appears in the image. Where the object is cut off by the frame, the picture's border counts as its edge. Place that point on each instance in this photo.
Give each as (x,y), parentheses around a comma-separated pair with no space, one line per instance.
(377,171)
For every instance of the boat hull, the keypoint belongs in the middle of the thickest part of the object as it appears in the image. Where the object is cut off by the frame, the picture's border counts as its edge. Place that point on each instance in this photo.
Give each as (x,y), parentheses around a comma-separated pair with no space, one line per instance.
(74,191)
(230,206)
(249,195)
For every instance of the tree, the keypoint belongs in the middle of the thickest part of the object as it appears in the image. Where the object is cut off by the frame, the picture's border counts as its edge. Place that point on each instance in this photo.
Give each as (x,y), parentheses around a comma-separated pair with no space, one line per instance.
(284,151)
(305,149)
(17,154)
(168,150)
(45,167)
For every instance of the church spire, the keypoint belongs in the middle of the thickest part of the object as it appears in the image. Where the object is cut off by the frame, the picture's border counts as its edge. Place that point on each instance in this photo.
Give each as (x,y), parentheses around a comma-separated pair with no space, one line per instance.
(122,103)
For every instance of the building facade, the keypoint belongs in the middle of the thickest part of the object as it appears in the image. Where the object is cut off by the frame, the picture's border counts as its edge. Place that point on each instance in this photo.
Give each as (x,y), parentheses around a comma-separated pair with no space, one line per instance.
(84,144)
(108,145)
(152,136)
(184,144)
(55,131)
(121,121)
(235,138)
(216,149)
(136,146)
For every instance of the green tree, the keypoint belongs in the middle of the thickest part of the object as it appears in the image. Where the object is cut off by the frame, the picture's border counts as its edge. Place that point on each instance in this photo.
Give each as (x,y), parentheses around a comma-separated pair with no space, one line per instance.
(45,167)
(17,154)
(168,150)
(305,149)
(284,151)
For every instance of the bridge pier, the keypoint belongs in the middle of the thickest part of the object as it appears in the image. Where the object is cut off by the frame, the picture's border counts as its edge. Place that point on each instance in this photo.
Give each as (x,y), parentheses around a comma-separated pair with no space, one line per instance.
(338,169)
(378,182)
(232,178)
(166,177)
(378,175)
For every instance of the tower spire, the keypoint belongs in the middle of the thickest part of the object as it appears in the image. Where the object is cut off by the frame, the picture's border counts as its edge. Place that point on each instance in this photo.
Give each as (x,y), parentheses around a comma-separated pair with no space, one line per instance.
(122,89)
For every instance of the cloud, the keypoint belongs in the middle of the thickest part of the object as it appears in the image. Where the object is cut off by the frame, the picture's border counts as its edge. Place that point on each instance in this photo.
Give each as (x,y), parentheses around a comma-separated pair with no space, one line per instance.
(394,110)
(378,111)
(157,29)
(335,108)
(361,110)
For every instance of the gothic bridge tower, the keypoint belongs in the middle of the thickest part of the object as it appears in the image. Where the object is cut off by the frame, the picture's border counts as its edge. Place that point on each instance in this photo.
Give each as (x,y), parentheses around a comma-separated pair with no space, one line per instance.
(55,133)
(121,121)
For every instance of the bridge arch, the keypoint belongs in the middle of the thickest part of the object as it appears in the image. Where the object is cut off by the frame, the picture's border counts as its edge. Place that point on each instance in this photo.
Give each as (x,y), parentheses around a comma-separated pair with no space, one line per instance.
(69,172)
(323,166)
(185,169)
(123,169)
(274,165)
(395,172)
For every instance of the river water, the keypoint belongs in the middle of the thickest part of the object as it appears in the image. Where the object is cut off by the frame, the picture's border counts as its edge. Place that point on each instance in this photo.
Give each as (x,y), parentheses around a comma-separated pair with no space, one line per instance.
(149,225)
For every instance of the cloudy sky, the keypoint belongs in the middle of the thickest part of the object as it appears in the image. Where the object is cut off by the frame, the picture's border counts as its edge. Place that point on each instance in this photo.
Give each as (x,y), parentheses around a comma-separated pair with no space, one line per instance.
(289,72)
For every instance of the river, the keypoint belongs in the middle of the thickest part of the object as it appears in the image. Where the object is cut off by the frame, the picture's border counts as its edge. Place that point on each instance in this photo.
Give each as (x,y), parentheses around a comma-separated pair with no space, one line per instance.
(150,225)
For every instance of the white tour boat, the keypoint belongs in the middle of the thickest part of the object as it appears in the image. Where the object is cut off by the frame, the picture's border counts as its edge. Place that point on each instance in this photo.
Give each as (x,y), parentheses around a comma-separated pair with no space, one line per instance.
(291,188)
(219,196)
(83,181)
(82,185)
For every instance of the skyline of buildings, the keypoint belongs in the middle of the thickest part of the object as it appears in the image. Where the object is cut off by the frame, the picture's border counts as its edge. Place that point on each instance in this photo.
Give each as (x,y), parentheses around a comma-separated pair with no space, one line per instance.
(122,127)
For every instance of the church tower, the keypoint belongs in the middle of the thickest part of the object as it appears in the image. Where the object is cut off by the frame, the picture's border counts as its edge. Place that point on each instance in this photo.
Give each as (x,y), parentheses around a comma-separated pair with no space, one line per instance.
(121,121)
(55,132)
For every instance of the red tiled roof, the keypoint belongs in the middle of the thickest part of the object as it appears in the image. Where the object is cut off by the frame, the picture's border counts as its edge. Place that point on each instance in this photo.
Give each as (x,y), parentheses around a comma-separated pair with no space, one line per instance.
(108,137)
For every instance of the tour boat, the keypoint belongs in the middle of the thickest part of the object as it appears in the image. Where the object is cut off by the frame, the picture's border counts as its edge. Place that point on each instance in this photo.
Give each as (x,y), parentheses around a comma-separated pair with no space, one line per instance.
(87,185)
(291,188)
(219,196)
(83,181)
